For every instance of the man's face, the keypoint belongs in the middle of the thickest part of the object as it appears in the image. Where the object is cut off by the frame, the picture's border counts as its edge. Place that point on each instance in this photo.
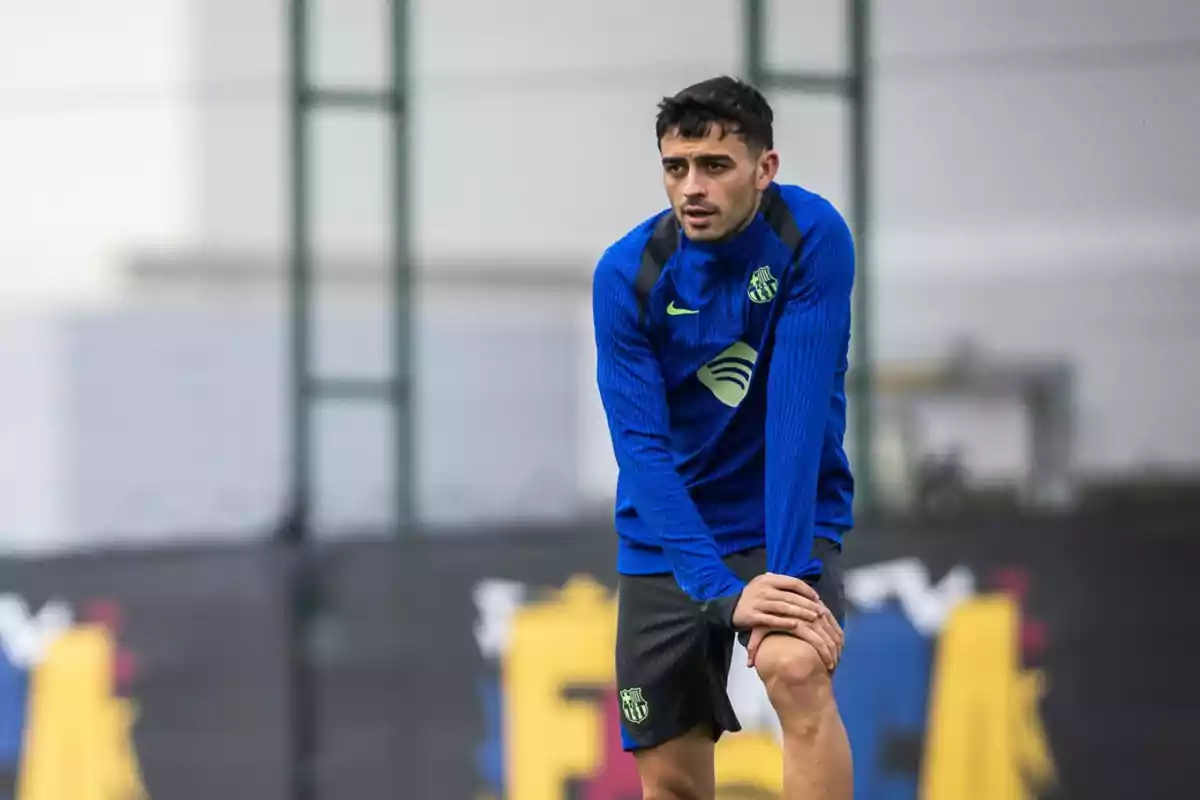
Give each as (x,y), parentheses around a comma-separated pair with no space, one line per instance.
(714,183)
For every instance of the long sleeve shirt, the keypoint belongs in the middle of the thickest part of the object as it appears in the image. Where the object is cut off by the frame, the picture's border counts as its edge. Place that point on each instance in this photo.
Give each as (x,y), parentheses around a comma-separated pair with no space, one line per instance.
(726,399)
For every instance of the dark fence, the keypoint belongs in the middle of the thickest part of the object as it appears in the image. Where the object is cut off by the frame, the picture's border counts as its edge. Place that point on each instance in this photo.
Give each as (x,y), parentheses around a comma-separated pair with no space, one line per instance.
(1061,653)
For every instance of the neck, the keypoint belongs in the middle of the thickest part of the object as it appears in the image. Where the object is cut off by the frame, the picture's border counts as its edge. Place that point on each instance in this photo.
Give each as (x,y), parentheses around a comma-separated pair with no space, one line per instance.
(749,218)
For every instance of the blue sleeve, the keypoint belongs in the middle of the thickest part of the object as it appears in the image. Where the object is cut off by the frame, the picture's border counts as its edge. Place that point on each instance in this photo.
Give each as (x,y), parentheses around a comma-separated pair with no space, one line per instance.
(811,340)
(635,402)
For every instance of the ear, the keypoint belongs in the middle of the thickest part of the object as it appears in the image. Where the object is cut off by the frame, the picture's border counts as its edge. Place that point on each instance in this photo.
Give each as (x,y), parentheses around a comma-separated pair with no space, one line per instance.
(768,168)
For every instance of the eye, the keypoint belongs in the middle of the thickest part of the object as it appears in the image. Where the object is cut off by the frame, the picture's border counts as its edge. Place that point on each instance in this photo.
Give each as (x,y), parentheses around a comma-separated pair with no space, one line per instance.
(675,169)
(717,167)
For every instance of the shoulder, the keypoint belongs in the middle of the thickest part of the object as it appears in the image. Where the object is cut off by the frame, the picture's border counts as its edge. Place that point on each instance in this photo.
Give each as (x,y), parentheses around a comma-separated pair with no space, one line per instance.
(614,298)
(827,253)
(815,216)
(621,260)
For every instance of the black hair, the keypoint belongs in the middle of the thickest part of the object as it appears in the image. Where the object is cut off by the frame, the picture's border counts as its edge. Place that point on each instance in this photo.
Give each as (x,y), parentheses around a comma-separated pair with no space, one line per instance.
(729,102)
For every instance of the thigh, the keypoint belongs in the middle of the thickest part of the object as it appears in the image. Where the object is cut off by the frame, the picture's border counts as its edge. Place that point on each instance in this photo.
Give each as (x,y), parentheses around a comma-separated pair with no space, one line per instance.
(662,684)
(830,584)
(683,767)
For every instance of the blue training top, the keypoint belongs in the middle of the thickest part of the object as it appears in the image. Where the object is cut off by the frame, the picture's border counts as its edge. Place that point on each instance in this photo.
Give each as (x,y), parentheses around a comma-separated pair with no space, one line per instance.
(724,388)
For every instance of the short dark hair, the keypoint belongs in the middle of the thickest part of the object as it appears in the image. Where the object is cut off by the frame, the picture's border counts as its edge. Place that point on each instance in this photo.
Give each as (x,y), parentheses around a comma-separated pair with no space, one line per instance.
(729,102)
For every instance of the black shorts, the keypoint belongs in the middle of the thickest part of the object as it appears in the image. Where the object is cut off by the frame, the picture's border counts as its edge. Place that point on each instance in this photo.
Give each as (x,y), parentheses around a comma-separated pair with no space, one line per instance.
(673,660)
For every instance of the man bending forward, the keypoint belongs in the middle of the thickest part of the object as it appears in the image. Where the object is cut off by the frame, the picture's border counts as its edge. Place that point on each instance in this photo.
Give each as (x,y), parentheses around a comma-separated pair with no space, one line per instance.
(722,331)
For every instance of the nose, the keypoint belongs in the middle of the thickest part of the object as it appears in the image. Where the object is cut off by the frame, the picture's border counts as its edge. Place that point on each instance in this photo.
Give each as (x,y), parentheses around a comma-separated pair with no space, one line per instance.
(693,186)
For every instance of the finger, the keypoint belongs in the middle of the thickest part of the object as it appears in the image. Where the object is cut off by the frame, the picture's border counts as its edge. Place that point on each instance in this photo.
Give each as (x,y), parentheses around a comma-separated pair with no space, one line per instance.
(829,631)
(831,649)
(831,625)
(793,599)
(773,622)
(782,608)
(837,652)
(835,645)
(823,647)
(819,643)
(839,634)
(789,584)
(756,639)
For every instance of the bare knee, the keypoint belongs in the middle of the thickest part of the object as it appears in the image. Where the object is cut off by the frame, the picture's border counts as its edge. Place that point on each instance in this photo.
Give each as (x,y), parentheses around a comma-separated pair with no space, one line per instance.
(681,769)
(797,682)
(672,786)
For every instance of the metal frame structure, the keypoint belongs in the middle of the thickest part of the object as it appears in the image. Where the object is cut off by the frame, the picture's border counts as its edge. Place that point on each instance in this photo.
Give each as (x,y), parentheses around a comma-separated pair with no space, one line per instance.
(853,86)
(308,390)
(395,390)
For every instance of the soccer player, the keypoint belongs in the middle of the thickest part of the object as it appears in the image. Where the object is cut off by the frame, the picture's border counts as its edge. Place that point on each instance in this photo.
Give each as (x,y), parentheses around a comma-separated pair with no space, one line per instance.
(722,330)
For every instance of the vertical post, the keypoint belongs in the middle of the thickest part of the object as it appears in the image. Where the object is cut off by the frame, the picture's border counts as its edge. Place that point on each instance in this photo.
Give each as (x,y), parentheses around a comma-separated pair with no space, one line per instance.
(860,202)
(300,571)
(299,267)
(755,22)
(401,279)
(395,390)
(854,87)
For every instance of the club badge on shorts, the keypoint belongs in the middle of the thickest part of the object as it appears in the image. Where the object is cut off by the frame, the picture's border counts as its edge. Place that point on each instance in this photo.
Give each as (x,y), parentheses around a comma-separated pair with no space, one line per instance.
(634,706)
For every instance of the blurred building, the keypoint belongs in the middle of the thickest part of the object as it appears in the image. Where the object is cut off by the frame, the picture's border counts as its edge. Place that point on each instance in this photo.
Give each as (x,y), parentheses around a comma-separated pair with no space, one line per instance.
(1035,195)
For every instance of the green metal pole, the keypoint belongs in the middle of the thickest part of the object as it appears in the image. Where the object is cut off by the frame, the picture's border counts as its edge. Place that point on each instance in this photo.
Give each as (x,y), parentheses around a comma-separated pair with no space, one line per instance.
(401,274)
(860,203)
(301,575)
(300,265)
(854,87)
(754,26)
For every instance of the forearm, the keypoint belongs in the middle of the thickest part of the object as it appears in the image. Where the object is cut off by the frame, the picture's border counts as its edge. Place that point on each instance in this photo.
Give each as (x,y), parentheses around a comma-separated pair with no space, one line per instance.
(811,342)
(635,402)
(795,434)
(662,501)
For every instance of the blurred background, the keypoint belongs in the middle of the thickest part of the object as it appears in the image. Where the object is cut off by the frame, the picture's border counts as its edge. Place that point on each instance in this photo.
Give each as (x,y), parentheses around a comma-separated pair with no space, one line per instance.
(304,482)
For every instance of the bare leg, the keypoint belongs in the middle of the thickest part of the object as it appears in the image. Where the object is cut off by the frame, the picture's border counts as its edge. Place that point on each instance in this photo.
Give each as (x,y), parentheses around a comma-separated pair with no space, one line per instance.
(816,751)
(681,769)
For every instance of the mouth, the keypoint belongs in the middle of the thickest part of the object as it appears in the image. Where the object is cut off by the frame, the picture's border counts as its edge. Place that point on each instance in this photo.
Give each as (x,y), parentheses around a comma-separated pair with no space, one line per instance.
(697,215)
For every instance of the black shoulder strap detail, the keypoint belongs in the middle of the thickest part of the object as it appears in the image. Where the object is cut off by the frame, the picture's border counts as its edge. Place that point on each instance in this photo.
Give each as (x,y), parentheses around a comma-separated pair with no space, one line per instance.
(663,243)
(780,218)
(665,240)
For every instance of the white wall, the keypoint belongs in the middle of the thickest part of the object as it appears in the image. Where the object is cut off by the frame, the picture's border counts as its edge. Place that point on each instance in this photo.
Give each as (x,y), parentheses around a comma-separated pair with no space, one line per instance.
(1016,141)
(32,411)
(97,141)
(151,123)
(127,426)
(1021,135)
(1036,177)
(1038,136)
(994,123)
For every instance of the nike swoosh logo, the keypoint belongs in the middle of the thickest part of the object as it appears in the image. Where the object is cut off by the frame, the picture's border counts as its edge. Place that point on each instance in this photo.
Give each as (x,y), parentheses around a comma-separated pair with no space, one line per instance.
(674,311)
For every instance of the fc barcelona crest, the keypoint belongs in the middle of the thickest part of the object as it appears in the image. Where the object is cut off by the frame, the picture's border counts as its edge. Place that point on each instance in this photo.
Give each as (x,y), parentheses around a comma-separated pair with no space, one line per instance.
(763,286)
(634,706)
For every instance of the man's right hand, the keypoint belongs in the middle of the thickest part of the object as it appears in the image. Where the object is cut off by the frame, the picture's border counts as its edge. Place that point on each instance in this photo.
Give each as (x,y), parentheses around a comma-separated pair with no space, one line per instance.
(777,602)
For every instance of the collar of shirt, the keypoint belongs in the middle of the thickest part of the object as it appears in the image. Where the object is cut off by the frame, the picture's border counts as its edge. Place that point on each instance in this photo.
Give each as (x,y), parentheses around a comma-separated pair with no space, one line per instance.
(743,246)
(704,266)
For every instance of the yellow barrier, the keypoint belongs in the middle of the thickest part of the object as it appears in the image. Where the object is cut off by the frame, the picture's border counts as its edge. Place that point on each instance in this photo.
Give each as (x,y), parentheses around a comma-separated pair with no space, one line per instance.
(984,739)
(78,742)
